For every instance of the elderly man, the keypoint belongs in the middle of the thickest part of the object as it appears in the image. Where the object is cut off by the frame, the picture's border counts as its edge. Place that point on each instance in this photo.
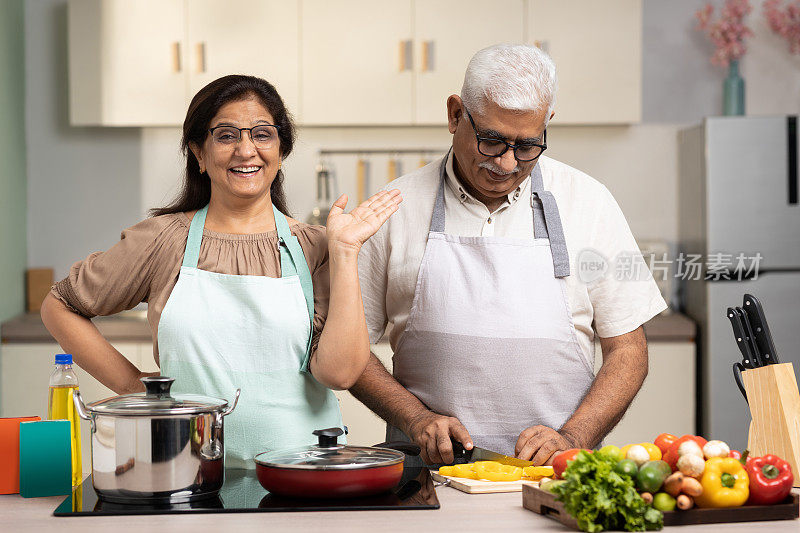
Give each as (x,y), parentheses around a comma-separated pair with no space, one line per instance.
(492,329)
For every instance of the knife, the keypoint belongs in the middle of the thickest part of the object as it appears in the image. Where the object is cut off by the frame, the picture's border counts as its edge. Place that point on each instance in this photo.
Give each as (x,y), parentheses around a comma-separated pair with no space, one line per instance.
(761,333)
(481,454)
(748,333)
(739,336)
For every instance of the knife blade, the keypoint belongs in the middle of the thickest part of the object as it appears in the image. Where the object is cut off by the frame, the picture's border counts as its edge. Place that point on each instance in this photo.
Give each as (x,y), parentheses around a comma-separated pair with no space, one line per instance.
(481,454)
(761,333)
(739,337)
(748,332)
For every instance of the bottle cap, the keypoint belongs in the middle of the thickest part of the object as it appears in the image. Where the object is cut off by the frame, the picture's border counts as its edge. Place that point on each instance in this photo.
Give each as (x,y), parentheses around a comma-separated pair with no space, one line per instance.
(64,359)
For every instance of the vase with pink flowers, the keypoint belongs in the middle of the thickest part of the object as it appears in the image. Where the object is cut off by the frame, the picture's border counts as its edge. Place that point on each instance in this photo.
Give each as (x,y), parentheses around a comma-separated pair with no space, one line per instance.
(728,33)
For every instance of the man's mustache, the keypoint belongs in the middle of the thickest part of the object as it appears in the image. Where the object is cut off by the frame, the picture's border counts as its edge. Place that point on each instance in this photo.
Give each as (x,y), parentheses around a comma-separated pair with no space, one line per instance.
(497,170)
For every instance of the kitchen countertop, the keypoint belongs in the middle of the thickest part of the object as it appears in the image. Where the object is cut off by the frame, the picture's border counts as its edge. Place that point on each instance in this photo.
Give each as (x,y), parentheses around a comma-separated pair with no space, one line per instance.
(133,326)
(459,512)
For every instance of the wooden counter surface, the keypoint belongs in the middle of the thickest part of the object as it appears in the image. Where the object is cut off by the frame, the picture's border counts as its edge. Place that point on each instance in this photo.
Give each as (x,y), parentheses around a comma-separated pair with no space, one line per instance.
(132,326)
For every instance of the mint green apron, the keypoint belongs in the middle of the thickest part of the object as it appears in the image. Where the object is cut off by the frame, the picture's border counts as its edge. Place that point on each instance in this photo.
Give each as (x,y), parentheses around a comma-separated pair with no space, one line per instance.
(220,332)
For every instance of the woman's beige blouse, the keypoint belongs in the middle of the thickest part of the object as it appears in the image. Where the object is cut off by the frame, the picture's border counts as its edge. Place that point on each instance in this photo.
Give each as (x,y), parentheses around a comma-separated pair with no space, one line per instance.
(144,266)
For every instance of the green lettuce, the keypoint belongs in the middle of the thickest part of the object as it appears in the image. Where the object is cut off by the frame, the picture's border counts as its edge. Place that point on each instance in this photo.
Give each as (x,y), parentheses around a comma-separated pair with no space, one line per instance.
(601,499)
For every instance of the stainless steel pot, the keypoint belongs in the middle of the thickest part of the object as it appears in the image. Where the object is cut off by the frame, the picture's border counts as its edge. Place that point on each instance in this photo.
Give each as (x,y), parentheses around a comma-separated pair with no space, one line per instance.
(154,447)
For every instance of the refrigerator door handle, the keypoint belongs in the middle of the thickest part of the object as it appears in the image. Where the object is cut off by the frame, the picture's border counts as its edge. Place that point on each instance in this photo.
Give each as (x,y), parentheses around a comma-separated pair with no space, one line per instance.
(791,138)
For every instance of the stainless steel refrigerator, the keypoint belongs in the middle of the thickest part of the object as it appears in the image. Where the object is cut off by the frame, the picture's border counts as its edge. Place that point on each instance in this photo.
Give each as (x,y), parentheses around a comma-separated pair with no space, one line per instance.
(738,195)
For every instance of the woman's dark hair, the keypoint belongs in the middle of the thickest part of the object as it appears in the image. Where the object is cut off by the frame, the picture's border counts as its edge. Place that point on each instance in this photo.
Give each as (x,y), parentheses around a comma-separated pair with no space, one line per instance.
(206,103)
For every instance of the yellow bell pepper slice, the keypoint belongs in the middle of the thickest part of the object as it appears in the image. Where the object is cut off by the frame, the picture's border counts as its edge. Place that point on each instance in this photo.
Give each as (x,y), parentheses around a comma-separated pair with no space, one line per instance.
(535,473)
(492,471)
(463,471)
(725,483)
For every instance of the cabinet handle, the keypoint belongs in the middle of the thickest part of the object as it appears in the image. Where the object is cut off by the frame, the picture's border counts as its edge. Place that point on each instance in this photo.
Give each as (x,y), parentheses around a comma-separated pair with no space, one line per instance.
(406,56)
(201,57)
(427,56)
(176,57)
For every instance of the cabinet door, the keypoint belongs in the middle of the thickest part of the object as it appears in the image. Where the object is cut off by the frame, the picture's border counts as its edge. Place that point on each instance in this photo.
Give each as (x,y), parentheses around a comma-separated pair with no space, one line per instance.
(356,67)
(126,62)
(256,37)
(597,49)
(447,35)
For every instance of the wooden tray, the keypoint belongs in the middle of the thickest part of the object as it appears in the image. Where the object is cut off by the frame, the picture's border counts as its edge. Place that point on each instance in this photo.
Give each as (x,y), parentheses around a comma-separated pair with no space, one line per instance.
(478,486)
(544,503)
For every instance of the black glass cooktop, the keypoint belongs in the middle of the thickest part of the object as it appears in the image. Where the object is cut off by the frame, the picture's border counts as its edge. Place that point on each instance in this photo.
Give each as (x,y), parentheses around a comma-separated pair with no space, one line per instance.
(242,493)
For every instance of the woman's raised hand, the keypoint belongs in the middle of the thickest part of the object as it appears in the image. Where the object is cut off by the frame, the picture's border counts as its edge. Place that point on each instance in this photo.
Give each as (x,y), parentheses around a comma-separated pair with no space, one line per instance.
(354,228)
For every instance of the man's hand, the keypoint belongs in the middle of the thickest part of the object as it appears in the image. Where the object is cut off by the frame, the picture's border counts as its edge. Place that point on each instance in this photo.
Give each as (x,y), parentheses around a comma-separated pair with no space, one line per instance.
(540,444)
(432,432)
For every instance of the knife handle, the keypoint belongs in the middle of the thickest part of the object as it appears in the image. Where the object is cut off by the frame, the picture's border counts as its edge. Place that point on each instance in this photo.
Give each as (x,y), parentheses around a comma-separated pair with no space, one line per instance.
(763,337)
(739,336)
(751,340)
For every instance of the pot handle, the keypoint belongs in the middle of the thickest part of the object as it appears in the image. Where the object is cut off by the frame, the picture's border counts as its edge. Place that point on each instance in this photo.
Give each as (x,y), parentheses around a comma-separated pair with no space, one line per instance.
(408,448)
(80,407)
(230,409)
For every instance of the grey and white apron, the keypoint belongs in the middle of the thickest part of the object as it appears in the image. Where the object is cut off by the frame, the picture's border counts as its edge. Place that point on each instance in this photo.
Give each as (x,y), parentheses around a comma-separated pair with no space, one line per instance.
(220,332)
(490,338)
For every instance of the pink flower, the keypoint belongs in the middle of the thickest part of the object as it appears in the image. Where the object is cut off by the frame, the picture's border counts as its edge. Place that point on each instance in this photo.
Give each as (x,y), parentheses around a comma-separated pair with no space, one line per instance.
(729,32)
(786,22)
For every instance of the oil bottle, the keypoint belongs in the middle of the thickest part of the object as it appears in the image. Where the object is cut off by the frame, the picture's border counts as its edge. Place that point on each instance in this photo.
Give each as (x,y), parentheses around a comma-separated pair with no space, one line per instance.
(63,382)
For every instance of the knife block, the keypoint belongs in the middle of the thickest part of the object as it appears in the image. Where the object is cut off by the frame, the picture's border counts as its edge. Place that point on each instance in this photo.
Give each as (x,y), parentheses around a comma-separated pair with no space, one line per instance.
(775,407)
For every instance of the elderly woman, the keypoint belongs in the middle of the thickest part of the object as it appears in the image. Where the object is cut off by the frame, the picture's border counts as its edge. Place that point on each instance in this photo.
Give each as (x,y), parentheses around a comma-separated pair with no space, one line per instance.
(239,295)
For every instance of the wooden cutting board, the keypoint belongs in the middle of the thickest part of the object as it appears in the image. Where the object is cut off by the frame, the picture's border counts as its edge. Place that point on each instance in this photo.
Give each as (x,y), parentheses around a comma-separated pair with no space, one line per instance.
(478,486)
(544,503)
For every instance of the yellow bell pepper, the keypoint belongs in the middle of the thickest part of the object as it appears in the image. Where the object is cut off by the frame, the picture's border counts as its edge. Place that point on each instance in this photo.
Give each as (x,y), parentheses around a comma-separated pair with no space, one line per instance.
(725,483)
(492,471)
(536,473)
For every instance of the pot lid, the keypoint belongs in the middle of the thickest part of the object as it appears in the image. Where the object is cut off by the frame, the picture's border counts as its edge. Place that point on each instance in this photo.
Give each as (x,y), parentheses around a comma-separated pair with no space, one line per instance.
(157,400)
(327,454)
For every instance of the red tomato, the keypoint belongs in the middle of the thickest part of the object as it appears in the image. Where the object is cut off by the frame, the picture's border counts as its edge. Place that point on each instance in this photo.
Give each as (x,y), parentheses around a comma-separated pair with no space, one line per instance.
(736,454)
(671,457)
(560,461)
(664,441)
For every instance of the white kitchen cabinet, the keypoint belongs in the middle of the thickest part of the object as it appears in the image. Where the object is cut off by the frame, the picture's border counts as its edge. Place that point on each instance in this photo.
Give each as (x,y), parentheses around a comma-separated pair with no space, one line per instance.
(140,63)
(25,373)
(256,37)
(357,62)
(597,49)
(667,400)
(447,33)
(127,62)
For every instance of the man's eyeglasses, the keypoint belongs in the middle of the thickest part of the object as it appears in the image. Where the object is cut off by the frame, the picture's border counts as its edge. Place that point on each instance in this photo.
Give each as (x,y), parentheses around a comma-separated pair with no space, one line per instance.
(264,136)
(491,147)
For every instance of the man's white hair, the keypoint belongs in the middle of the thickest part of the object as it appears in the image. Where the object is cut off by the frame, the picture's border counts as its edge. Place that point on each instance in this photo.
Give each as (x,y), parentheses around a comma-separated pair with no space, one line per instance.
(513,76)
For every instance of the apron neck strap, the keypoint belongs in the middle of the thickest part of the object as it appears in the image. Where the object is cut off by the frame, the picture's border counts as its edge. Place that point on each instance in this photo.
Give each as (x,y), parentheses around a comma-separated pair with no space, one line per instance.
(552,223)
(547,221)
(293,263)
(192,253)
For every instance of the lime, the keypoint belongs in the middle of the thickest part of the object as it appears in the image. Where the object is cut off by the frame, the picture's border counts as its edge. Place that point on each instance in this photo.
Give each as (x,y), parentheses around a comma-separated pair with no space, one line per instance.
(664,502)
(612,451)
(627,467)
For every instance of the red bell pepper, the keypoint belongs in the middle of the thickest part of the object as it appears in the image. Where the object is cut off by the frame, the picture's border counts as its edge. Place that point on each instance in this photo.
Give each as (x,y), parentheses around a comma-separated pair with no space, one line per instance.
(771,479)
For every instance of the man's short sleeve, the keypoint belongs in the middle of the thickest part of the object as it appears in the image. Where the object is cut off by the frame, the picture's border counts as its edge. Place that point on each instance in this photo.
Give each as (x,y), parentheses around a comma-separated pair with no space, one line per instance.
(626,296)
(373,278)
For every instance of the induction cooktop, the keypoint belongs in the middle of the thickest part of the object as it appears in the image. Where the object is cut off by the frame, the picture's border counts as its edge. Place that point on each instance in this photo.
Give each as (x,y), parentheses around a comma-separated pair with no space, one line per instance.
(242,493)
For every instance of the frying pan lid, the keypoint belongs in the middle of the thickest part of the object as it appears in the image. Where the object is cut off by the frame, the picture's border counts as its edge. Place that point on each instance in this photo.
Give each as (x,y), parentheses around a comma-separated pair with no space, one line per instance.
(327,454)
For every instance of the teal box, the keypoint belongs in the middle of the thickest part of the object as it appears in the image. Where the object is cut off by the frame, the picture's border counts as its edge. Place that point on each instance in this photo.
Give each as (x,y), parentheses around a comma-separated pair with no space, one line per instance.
(45,458)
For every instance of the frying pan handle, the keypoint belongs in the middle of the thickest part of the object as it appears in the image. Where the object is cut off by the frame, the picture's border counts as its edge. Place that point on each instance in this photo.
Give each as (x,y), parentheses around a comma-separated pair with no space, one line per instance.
(408,448)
